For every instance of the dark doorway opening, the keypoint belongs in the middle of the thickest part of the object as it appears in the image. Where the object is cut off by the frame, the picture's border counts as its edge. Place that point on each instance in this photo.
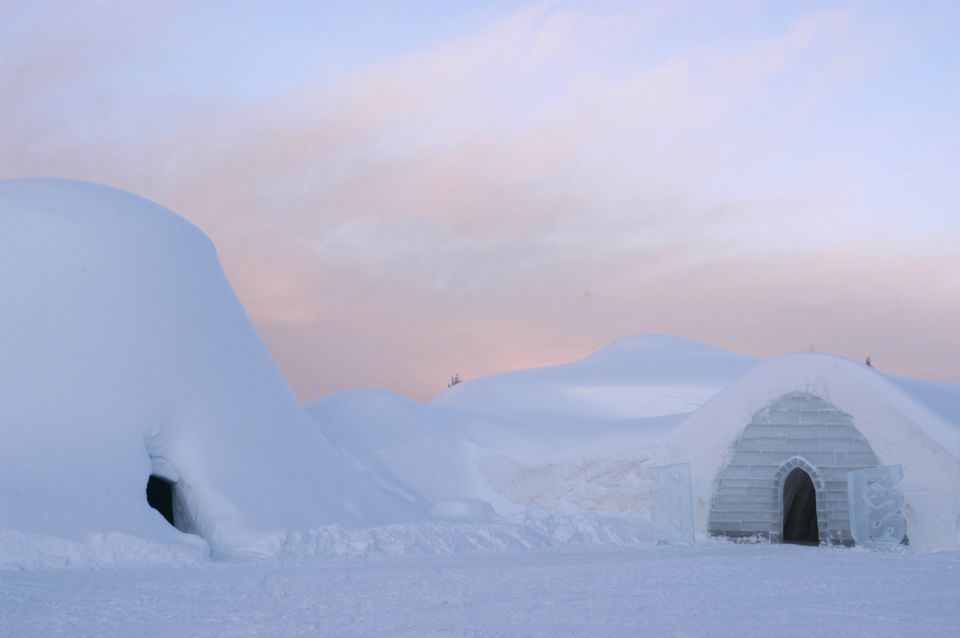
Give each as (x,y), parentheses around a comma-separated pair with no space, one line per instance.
(160,496)
(800,509)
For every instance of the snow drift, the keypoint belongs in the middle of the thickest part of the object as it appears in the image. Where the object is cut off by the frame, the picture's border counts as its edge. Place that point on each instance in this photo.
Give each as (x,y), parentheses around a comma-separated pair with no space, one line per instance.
(569,438)
(126,354)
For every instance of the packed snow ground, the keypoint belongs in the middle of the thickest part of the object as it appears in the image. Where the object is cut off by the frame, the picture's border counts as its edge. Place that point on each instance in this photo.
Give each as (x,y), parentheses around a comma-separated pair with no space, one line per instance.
(712,589)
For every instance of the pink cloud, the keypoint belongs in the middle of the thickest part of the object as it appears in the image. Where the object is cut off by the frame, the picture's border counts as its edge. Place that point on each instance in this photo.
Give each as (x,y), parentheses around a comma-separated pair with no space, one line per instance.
(521,196)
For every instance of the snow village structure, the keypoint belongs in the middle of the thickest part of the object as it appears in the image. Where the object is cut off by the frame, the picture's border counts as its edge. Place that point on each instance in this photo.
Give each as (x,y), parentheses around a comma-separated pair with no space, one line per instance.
(774,452)
(142,419)
(770,444)
(127,361)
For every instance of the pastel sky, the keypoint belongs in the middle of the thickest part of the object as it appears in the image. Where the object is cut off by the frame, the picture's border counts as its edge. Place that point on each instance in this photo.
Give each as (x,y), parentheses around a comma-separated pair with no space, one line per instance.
(404,190)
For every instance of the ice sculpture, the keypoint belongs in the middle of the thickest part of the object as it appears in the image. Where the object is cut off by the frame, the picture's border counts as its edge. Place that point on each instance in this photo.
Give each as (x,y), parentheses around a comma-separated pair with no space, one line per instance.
(875,519)
(672,512)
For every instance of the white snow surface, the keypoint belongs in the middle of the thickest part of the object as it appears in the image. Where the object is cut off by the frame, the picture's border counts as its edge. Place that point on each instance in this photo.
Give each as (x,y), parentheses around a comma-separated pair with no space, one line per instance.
(125,352)
(713,589)
(636,377)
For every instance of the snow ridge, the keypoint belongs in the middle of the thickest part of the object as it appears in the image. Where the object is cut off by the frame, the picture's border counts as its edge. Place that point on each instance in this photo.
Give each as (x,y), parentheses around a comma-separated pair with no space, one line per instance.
(535,529)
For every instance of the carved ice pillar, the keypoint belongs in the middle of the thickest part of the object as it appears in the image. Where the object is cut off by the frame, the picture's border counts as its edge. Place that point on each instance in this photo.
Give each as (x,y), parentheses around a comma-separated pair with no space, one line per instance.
(672,512)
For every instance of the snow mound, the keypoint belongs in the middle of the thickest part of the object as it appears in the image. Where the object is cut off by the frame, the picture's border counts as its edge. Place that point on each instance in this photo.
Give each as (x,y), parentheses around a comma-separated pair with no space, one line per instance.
(450,457)
(659,344)
(424,453)
(633,378)
(126,354)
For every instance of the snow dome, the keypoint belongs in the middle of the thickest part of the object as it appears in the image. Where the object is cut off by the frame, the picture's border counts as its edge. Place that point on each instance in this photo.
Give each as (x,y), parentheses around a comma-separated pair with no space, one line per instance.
(127,360)
(789,432)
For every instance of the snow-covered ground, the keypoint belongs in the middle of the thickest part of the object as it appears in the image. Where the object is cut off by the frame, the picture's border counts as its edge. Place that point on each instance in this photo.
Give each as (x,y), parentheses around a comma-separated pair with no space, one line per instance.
(713,589)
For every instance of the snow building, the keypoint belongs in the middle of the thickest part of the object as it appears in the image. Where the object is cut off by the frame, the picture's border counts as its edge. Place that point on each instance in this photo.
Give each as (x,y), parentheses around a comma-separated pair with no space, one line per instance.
(771,454)
(770,443)
(130,372)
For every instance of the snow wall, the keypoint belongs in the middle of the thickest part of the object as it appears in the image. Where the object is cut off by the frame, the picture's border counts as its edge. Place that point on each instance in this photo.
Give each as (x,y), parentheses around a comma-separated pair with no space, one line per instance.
(124,354)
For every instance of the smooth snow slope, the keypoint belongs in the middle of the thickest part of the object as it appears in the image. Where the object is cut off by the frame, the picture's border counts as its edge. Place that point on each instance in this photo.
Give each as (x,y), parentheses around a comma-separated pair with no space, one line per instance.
(422,448)
(712,590)
(943,399)
(570,435)
(125,352)
(636,377)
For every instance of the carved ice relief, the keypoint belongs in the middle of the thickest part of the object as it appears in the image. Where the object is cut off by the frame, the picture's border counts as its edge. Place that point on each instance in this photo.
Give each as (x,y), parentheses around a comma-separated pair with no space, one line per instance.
(875,518)
(672,511)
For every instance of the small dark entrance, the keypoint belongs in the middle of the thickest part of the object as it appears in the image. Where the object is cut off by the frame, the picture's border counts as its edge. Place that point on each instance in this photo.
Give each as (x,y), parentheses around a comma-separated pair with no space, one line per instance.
(800,509)
(160,496)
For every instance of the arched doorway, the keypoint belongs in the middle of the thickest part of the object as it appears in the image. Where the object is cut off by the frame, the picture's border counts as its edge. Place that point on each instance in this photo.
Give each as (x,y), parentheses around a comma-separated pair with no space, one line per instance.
(800,509)
(748,497)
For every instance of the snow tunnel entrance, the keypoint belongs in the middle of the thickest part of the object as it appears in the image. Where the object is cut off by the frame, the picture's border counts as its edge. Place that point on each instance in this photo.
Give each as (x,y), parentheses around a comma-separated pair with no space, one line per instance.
(800,509)
(160,496)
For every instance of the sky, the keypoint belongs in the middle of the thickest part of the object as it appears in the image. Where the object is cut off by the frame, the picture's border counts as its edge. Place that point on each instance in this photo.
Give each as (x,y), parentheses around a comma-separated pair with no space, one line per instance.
(400,191)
